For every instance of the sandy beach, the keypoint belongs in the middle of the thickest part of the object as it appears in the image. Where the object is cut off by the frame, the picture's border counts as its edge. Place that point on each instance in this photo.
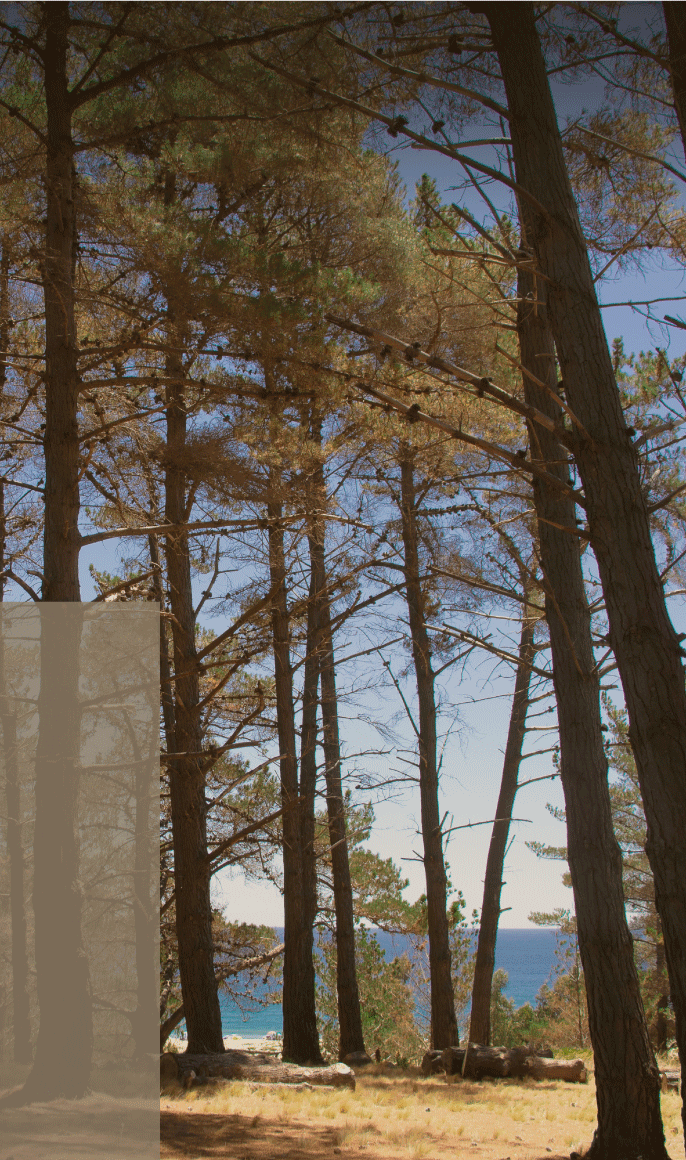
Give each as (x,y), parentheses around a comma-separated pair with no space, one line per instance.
(233,1043)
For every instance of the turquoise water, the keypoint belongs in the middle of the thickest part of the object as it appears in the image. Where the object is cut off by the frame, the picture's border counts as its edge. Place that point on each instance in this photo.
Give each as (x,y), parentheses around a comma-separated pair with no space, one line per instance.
(527,955)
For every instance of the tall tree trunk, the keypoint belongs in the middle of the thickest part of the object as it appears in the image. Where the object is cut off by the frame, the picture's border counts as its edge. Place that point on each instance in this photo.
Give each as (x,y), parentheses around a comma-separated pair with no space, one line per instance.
(480,1021)
(166,695)
(62,974)
(4,349)
(627,1087)
(308,777)
(145,883)
(443,1022)
(351,1037)
(675,20)
(21,1025)
(349,1013)
(643,639)
(300,1036)
(145,909)
(168,967)
(61,444)
(187,778)
(662,1006)
(192,871)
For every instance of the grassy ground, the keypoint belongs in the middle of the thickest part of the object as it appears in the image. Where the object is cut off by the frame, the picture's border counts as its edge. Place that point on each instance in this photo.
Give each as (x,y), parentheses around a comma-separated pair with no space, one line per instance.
(399,1115)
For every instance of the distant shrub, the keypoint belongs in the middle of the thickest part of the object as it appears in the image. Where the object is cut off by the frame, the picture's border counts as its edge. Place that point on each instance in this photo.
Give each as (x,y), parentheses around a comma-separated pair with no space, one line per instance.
(386,999)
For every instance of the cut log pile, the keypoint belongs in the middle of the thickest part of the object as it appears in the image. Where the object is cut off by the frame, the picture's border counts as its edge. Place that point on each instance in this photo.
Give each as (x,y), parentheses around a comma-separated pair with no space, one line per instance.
(502,1061)
(258,1067)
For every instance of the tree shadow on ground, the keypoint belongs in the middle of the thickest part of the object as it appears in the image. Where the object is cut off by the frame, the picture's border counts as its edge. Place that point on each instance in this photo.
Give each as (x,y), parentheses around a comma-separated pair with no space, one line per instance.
(233,1137)
(210,1134)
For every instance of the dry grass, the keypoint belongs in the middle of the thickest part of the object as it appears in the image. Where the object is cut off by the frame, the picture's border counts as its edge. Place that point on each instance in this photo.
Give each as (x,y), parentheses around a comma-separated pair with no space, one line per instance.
(392,1116)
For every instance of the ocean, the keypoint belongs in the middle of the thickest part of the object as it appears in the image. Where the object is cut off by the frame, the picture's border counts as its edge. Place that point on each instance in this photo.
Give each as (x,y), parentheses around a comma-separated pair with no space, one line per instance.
(528,956)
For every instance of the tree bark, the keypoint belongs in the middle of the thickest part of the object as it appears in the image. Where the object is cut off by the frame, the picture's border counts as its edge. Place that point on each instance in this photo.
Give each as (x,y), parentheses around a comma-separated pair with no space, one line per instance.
(308,774)
(61,443)
(480,1021)
(662,1006)
(443,1022)
(166,696)
(4,350)
(21,1025)
(675,20)
(192,872)
(62,973)
(627,1083)
(300,1036)
(641,634)
(167,971)
(145,900)
(351,1036)
(349,1013)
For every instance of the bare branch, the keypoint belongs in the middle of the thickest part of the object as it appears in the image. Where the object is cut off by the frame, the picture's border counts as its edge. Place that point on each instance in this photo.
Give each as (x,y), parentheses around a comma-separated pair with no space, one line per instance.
(10,575)
(424,79)
(488,822)
(312,87)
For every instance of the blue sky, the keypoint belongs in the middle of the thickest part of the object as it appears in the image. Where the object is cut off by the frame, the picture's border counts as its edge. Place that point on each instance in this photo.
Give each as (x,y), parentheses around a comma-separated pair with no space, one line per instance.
(473,757)
(471,771)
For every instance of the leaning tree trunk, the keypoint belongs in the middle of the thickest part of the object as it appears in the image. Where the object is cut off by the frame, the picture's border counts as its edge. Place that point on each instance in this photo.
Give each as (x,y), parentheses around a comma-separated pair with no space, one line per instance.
(443,1022)
(627,1082)
(351,1037)
(480,1020)
(192,872)
(642,636)
(300,1036)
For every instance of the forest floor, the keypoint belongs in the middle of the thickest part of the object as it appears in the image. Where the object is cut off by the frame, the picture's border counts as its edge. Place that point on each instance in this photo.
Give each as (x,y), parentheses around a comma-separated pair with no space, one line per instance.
(392,1115)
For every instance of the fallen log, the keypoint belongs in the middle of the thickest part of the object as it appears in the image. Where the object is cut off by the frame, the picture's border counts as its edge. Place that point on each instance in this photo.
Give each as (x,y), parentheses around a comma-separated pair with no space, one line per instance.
(502,1061)
(432,1063)
(258,1067)
(254,1085)
(169,1069)
(670,1080)
(358,1059)
(480,1061)
(571,1070)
